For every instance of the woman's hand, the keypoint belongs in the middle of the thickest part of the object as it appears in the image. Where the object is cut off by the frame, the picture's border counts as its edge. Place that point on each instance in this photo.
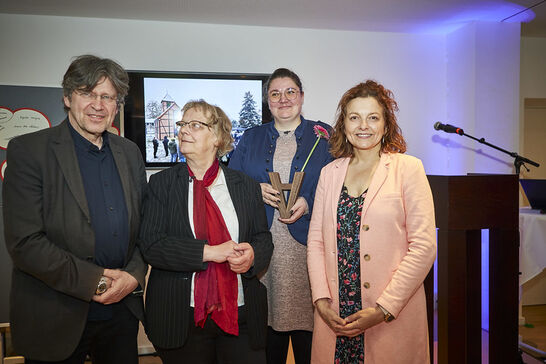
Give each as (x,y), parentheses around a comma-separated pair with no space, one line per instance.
(242,263)
(298,210)
(221,252)
(362,320)
(329,316)
(270,195)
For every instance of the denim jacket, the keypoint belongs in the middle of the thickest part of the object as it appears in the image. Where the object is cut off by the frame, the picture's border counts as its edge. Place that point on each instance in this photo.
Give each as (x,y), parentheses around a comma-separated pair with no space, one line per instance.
(254,157)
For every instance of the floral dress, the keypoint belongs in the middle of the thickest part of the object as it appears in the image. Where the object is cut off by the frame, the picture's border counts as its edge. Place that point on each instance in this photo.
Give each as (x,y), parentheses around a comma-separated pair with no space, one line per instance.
(349,211)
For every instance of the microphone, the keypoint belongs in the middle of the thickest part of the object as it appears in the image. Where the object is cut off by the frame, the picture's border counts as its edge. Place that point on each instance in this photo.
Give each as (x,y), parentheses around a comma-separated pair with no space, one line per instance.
(448,128)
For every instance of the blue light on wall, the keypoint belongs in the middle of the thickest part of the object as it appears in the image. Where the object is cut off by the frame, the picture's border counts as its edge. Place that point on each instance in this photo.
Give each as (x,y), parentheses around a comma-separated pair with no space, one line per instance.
(494,11)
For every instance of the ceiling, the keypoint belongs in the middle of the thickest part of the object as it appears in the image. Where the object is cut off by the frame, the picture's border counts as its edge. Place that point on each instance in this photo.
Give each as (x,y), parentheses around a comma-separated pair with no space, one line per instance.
(416,16)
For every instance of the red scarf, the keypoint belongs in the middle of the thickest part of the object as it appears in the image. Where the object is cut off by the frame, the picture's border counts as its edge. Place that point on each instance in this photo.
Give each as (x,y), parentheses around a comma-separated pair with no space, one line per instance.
(215,289)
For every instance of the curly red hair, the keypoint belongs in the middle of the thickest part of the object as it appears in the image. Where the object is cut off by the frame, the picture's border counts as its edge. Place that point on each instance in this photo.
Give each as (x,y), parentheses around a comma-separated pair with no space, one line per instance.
(392,142)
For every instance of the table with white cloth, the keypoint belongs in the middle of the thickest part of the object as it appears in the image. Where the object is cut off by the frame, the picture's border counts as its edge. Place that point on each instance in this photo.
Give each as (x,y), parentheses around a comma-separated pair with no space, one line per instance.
(532,257)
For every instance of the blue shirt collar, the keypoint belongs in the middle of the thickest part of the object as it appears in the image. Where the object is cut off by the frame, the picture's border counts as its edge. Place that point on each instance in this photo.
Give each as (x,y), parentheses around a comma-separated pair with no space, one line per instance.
(84,144)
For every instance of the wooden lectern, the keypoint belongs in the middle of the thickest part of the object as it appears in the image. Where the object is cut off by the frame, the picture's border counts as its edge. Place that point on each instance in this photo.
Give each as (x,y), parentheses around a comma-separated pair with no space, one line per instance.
(464,205)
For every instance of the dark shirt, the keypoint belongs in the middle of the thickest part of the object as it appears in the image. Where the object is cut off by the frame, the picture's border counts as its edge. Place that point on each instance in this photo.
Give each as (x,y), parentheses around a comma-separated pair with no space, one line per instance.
(107,207)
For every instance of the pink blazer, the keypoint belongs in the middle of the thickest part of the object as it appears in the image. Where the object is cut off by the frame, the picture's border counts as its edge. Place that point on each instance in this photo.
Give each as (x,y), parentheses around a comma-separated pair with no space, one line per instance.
(398,233)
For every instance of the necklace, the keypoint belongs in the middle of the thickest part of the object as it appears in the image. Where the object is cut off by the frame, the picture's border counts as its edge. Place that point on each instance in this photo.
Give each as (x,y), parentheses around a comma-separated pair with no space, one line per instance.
(286,137)
(286,128)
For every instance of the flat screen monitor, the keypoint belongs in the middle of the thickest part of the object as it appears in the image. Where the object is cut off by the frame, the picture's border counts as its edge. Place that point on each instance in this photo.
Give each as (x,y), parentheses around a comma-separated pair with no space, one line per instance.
(155,100)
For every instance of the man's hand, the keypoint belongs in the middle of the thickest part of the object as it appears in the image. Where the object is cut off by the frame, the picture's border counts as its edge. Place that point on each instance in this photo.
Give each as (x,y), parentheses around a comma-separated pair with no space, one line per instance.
(270,195)
(121,284)
(298,210)
(242,263)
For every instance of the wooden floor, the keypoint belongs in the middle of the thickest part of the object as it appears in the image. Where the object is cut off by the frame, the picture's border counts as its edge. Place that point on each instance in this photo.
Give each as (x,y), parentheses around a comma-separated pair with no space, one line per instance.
(149,359)
(535,336)
(534,332)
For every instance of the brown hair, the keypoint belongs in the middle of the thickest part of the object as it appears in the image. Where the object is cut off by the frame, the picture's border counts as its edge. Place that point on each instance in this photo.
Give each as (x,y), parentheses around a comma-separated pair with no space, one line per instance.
(85,72)
(281,73)
(392,141)
(219,122)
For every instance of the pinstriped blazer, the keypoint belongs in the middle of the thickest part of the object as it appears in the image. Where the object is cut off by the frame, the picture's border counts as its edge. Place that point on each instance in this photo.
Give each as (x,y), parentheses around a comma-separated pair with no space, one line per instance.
(168,245)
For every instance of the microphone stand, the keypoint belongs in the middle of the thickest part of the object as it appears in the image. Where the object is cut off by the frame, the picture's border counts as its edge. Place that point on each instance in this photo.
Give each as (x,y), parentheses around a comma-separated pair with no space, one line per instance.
(518,161)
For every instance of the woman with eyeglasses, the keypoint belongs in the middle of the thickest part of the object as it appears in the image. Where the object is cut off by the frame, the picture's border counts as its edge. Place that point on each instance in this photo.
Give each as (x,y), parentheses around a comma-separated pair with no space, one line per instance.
(283,146)
(204,232)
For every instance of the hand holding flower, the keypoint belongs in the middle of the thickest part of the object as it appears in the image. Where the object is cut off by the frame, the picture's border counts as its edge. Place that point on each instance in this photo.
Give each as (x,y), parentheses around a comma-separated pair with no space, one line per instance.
(320,132)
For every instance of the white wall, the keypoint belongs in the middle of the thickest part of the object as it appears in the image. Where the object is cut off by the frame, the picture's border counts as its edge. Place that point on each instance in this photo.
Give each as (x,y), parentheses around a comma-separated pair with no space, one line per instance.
(424,71)
(329,62)
(482,96)
(497,95)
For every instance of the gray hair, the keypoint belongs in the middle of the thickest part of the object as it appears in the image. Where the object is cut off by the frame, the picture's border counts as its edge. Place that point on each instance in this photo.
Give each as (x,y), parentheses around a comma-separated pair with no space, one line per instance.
(86,71)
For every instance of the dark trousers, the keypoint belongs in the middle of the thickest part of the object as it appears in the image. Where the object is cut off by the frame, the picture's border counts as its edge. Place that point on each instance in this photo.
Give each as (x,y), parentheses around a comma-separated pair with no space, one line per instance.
(211,345)
(277,346)
(111,341)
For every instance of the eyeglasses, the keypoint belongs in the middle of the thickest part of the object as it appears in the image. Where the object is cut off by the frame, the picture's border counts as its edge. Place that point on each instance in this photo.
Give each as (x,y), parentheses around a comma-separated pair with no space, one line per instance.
(290,94)
(195,125)
(91,96)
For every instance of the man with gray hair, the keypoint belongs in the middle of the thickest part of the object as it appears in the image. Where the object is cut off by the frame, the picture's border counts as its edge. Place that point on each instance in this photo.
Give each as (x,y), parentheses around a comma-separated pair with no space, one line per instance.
(72,196)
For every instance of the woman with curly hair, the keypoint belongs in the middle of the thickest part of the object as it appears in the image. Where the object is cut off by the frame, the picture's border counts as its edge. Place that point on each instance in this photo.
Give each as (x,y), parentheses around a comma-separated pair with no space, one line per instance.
(371,239)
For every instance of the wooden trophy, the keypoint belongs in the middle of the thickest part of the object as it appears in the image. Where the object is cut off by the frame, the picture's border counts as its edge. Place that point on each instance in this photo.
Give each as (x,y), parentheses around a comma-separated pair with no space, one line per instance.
(294,188)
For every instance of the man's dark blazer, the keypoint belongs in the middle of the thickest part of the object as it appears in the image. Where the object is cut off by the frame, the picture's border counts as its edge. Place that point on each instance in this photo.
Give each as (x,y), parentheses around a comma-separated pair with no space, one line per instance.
(168,245)
(49,236)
